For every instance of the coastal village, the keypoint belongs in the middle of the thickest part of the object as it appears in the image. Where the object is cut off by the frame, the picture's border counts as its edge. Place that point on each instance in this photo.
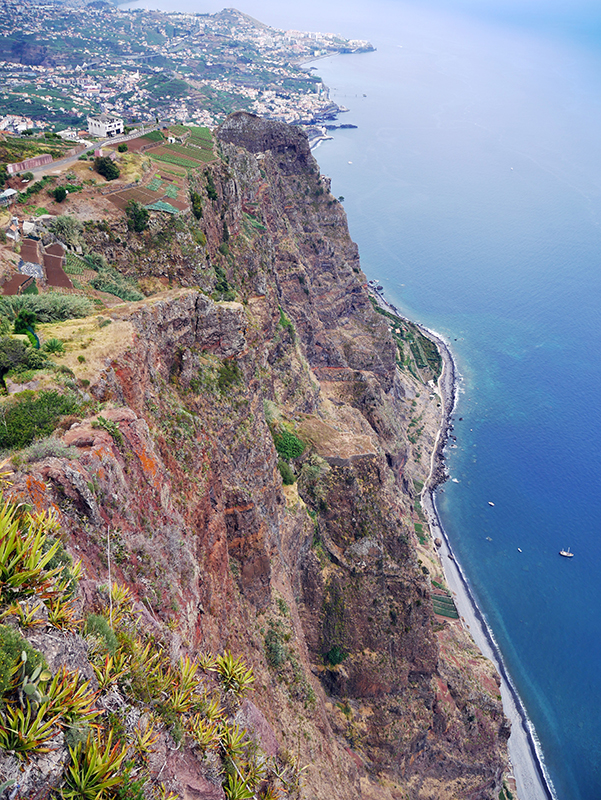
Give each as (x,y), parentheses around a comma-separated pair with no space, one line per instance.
(59,63)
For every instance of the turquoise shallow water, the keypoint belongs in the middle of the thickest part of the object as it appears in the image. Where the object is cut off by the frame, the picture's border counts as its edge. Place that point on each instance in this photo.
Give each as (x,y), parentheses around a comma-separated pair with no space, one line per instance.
(474,193)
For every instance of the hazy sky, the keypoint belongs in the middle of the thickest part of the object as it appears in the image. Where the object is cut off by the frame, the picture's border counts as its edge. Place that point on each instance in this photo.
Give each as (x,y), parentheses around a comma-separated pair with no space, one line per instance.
(578,19)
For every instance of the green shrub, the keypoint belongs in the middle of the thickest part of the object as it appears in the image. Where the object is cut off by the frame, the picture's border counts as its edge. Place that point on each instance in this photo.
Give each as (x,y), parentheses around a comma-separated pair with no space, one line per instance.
(223,290)
(110,427)
(107,168)
(122,148)
(25,320)
(16,356)
(287,444)
(113,282)
(196,204)
(211,190)
(67,228)
(59,194)
(137,216)
(96,261)
(286,472)
(27,416)
(97,626)
(12,645)
(48,448)
(54,345)
(230,374)
(336,655)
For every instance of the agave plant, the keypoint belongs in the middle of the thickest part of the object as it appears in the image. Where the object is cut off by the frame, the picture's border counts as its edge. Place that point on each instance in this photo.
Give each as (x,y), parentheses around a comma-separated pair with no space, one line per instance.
(207,662)
(70,700)
(25,732)
(211,708)
(23,561)
(234,674)
(232,740)
(145,738)
(204,733)
(123,602)
(270,793)
(95,768)
(188,672)
(236,788)
(113,668)
(27,614)
(61,614)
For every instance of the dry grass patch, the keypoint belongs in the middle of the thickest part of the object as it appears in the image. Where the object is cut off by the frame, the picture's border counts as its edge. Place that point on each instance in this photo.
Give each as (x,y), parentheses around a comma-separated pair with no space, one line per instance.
(89,342)
(293,499)
(329,442)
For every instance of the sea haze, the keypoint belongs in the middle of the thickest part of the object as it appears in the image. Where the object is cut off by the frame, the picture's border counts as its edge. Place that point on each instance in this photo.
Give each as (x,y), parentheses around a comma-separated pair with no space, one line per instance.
(473,188)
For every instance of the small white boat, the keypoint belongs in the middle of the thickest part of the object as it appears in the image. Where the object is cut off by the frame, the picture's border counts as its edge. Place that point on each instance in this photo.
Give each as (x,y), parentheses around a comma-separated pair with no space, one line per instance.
(519,549)
(566,553)
(490,504)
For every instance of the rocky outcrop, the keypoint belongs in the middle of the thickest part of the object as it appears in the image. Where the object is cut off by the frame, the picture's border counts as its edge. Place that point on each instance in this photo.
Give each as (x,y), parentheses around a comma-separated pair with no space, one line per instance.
(318,584)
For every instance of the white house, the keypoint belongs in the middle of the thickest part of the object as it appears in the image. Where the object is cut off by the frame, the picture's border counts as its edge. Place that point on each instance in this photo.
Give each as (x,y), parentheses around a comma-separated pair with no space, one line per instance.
(105,125)
(8,196)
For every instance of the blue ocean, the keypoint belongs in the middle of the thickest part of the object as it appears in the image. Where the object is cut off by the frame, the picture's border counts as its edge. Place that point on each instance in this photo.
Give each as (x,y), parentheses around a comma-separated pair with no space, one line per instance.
(472,185)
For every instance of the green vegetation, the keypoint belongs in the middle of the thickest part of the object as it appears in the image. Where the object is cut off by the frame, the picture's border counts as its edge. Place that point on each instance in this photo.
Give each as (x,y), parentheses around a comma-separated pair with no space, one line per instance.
(54,346)
(107,168)
(51,307)
(335,655)
(287,444)
(137,216)
(282,656)
(286,472)
(444,606)
(98,627)
(286,324)
(16,356)
(196,204)
(109,426)
(113,282)
(27,416)
(229,375)
(423,353)
(68,229)
(223,290)
(59,194)
(122,148)
(12,646)
(211,190)
(153,136)
(35,188)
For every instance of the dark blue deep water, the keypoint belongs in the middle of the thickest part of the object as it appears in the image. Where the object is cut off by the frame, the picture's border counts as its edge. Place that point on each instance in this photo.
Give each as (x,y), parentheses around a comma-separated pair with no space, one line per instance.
(474,193)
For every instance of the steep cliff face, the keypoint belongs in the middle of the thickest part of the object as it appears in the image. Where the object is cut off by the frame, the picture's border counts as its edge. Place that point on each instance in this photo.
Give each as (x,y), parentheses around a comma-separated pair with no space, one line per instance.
(318,584)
